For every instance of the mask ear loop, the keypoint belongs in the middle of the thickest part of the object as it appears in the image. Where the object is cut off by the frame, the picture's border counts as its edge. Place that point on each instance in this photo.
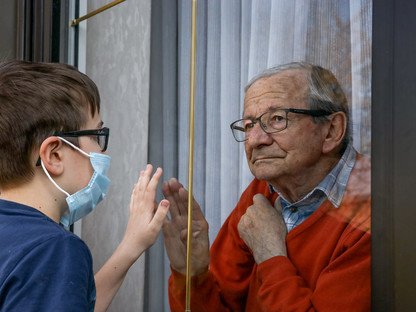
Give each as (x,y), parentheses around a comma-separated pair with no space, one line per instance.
(54,183)
(76,147)
(47,173)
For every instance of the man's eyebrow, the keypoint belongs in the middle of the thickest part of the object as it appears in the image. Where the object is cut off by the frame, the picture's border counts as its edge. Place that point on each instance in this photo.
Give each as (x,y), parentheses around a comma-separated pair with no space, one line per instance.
(100,124)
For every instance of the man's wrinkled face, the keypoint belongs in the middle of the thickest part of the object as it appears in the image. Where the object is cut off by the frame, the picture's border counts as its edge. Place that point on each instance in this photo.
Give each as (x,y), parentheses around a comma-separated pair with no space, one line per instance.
(293,151)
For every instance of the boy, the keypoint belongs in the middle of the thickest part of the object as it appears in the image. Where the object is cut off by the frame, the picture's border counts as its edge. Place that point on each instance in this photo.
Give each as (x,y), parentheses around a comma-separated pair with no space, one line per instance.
(53,169)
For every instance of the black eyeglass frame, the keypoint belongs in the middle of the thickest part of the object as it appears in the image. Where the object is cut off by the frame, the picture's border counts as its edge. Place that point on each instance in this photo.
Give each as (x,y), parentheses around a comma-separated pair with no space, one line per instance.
(100,132)
(74,134)
(310,112)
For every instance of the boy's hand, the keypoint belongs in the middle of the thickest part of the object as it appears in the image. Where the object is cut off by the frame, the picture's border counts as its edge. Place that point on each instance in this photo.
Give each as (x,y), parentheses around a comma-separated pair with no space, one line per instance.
(146,218)
(142,230)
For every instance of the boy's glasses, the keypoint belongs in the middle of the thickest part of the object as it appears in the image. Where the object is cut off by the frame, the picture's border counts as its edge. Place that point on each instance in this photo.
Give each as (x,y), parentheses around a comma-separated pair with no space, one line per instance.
(101,134)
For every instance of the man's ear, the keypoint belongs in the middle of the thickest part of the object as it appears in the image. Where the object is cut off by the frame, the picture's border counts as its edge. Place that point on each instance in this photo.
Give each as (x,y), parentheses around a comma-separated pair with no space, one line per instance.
(336,132)
(51,155)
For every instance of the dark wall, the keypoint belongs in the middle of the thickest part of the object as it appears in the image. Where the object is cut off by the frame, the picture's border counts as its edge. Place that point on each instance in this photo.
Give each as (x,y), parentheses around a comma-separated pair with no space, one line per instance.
(8,33)
(34,30)
(394,156)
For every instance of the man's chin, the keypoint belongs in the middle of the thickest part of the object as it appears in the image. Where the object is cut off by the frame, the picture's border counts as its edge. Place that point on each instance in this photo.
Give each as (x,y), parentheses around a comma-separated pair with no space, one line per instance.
(264,172)
(265,177)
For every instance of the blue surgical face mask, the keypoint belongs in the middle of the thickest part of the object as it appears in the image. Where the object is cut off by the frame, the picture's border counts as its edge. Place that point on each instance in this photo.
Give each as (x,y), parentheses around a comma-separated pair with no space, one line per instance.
(84,201)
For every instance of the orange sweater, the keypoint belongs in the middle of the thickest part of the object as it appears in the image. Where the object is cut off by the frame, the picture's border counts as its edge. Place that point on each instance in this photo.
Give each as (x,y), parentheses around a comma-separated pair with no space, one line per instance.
(327,268)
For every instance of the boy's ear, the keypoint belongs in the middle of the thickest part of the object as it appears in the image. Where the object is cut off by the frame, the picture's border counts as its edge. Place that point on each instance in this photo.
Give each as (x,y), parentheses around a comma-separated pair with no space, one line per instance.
(336,132)
(51,155)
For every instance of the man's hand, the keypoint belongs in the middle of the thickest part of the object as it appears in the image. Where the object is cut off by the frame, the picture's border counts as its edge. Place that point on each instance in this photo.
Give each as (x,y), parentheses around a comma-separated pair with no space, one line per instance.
(175,231)
(263,229)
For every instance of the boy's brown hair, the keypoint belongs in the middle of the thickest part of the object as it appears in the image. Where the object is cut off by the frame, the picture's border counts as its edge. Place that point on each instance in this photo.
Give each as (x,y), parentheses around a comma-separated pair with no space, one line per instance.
(37,100)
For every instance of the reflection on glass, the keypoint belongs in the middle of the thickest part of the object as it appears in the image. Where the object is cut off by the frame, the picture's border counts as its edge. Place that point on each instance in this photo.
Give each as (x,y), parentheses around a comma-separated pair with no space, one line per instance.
(308,243)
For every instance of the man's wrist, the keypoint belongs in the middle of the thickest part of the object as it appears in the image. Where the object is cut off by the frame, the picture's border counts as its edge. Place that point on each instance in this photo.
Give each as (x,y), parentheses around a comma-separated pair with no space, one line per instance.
(193,273)
(263,256)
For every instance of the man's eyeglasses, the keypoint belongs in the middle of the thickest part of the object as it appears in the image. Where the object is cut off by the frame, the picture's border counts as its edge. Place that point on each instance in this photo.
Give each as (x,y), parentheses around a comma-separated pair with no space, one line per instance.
(101,134)
(272,121)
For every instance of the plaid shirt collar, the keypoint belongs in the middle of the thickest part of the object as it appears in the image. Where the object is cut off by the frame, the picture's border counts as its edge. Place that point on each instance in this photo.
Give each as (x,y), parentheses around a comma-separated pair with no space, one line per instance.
(333,186)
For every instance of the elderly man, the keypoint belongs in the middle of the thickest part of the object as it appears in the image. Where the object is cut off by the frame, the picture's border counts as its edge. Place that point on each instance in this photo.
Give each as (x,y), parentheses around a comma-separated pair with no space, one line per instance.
(299,237)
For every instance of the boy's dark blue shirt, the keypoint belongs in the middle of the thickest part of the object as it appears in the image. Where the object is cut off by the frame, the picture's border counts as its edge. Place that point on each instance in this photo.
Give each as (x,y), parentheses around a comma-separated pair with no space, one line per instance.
(43,267)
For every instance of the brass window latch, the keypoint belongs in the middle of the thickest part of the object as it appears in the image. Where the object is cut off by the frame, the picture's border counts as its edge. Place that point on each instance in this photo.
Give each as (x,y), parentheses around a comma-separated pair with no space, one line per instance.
(76,21)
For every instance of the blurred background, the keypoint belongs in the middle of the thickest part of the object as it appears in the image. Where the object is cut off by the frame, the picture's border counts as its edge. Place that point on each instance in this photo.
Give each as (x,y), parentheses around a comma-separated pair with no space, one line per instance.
(138,54)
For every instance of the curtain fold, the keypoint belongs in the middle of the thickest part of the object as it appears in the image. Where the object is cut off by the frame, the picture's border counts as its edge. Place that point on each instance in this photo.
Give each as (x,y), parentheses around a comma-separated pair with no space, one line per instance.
(236,39)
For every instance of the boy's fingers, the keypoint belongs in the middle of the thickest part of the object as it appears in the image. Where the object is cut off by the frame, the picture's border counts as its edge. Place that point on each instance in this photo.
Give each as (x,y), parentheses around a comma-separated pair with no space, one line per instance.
(155,180)
(161,212)
(144,178)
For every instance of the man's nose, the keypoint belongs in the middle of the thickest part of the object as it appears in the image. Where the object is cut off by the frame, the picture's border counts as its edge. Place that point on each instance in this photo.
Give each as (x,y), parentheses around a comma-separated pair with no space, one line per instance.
(258,136)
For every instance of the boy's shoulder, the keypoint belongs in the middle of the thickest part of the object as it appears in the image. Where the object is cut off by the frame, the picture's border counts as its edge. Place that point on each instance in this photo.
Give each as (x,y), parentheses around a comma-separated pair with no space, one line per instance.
(41,262)
(22,220)
(28,236)
(23,225)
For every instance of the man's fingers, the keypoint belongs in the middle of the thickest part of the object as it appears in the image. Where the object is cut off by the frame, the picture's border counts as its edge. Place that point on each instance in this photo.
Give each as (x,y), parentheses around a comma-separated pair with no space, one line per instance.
(178,198)
(196,210)
(278,205)
(184,235)
(258,198)
(168,193)
(261,200)
(181,197)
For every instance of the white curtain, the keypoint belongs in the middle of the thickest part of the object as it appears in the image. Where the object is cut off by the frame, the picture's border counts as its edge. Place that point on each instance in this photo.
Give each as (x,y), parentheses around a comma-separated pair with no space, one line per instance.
(237,39)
